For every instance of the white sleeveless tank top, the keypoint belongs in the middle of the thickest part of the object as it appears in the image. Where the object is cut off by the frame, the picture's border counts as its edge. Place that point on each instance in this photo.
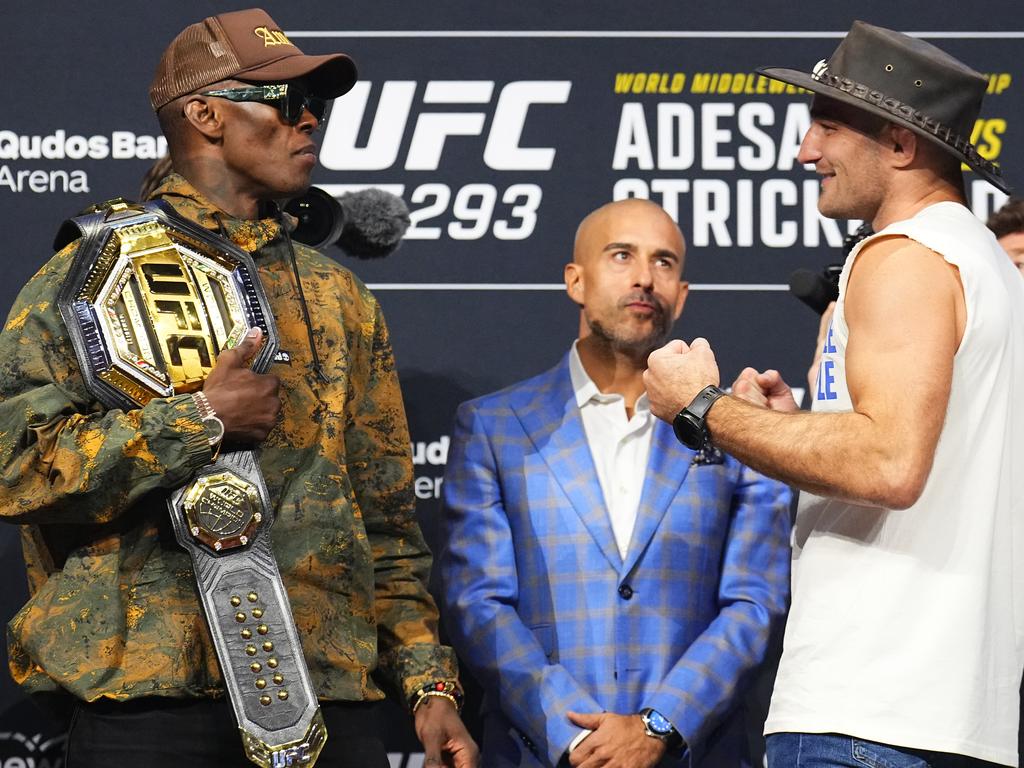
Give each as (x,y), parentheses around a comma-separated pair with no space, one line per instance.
(907,627)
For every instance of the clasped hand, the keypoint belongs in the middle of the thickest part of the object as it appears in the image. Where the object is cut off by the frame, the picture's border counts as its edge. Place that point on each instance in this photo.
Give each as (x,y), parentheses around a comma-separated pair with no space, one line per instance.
(617,741)
(247,403)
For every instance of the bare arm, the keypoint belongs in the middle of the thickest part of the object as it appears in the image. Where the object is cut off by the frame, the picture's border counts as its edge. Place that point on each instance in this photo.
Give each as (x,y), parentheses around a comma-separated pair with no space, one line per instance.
(905,312)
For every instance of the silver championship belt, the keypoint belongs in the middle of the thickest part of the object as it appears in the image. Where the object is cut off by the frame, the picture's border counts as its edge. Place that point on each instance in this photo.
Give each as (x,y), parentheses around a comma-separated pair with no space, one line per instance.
(150,301)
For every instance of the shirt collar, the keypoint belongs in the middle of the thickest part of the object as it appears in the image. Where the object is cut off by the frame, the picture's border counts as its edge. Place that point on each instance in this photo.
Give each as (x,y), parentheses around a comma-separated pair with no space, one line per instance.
(586,390)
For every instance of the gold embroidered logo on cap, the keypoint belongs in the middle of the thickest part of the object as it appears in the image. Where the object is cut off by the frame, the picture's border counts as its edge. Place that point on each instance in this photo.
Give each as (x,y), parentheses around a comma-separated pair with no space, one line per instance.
(271,36)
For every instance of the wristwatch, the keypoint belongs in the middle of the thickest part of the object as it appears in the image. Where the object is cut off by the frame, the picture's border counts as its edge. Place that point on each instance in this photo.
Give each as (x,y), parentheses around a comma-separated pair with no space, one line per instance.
(657,726)
(690,424)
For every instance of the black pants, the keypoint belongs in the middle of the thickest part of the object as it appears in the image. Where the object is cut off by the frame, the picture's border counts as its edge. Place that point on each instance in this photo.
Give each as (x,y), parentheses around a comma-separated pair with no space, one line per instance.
(201,733)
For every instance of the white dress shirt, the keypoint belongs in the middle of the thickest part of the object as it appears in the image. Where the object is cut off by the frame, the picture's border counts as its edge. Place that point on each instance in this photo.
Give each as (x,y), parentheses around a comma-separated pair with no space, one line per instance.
(619,445)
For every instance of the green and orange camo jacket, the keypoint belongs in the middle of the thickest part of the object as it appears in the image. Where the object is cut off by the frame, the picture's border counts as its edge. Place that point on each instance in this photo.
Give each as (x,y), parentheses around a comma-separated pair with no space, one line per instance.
(113,610)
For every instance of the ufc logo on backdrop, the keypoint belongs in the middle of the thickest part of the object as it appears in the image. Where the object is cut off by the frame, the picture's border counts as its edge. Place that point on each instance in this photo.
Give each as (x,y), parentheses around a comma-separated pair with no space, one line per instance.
(432,127)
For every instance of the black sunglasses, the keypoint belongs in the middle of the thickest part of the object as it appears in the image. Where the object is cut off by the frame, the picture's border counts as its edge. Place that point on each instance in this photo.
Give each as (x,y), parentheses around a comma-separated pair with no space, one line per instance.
(289,99)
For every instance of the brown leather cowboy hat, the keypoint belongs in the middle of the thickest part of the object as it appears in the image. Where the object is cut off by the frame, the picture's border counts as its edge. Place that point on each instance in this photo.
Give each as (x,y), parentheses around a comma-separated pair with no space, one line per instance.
(908,82)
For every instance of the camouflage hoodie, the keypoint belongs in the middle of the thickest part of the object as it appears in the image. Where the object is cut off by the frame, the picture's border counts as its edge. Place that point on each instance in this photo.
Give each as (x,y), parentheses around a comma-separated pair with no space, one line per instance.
(113,610)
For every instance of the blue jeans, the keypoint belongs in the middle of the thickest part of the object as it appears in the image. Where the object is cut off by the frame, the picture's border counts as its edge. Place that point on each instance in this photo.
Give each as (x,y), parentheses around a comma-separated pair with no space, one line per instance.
(833,750)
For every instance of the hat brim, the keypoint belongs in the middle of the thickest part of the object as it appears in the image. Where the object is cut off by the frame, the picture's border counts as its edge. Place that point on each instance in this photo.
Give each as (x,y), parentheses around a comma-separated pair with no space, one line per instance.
(329,76)
(806,80)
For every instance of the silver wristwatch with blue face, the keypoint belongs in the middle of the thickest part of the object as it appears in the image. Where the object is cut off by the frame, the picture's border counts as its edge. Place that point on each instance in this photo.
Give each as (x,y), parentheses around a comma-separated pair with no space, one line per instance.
(657,726)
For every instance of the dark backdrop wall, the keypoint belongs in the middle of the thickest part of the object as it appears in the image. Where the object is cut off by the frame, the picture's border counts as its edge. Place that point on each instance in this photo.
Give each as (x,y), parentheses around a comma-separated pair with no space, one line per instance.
(501,125)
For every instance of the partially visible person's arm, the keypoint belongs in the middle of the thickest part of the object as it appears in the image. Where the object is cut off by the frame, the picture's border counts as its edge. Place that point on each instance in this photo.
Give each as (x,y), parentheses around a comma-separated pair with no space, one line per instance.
(380,467)
(480,578)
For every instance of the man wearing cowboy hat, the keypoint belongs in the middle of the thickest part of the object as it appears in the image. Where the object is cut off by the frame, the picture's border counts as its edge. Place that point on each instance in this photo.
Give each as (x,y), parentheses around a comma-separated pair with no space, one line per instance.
(903,643)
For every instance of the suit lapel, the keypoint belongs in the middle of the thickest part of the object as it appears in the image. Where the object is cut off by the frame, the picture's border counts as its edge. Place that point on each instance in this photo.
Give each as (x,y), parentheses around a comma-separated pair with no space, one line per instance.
(552,420)
(667,465)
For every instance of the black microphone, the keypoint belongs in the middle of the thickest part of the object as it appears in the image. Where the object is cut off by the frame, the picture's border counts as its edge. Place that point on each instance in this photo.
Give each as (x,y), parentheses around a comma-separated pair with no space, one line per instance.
(818,289)
(368,224)
(814,289)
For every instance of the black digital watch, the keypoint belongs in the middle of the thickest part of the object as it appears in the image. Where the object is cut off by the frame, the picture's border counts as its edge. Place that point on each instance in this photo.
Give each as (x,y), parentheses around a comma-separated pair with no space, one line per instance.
(690,424)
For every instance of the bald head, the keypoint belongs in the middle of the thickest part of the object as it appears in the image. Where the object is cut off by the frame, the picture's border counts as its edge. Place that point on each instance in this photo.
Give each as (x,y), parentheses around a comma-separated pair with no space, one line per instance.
(625,275)
(616,224)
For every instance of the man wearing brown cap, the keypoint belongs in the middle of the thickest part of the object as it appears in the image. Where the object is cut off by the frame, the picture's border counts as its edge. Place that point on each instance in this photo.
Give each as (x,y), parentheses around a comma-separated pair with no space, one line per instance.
(328,606)
(903,642)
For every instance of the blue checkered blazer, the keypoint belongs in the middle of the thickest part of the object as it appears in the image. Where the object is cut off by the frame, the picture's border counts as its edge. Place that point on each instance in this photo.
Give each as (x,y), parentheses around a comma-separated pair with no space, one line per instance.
(546,613)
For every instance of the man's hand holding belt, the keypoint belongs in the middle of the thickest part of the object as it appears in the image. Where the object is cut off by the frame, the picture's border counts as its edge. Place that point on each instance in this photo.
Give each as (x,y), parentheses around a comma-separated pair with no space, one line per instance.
(247,403)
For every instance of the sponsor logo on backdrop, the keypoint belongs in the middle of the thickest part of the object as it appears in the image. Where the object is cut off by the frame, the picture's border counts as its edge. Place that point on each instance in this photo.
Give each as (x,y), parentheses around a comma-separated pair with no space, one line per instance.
(428,460)
(401,126)
(26,161)
(20,751)
(726,166)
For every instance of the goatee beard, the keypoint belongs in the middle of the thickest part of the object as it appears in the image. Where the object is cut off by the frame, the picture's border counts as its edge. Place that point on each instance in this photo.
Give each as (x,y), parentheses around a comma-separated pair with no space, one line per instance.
(633,347)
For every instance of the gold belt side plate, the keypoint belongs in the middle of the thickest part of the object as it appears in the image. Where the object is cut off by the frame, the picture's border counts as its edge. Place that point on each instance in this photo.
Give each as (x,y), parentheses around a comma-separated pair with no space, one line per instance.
(165,305)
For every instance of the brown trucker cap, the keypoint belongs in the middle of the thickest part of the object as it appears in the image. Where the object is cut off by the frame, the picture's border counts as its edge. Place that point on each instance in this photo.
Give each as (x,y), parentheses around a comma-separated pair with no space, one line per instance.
(243,45)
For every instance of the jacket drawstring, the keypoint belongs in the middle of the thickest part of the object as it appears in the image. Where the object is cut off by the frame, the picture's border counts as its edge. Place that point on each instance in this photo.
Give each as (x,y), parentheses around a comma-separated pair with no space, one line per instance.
(317,367)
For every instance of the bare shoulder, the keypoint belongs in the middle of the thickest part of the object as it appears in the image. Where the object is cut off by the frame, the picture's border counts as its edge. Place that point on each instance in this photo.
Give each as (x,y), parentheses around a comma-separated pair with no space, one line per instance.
(905,312)
(897,253)
(896,275)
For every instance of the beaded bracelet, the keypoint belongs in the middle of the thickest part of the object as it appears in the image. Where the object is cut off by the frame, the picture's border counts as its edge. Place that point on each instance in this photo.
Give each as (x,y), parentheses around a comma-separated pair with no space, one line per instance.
(446,689)
(429,694)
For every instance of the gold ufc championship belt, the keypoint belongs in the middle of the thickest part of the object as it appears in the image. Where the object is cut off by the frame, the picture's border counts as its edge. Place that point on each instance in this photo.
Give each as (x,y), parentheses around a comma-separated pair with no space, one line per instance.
(150,301)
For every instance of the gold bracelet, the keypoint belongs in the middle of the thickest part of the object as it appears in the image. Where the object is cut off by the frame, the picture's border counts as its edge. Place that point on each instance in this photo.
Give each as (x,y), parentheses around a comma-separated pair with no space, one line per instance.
(449,688)
(424,696)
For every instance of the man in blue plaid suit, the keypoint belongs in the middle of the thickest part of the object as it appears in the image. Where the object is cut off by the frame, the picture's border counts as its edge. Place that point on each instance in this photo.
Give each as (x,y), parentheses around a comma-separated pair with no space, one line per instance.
(610,589)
